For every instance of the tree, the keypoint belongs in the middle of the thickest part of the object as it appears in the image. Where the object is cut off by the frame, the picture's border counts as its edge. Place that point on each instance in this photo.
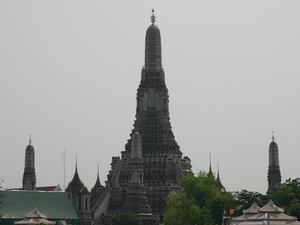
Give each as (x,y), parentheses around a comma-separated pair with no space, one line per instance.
(220,203)
(127,218)
(202,188)
(287,196)
(181,210)
(199,203)
(246,198)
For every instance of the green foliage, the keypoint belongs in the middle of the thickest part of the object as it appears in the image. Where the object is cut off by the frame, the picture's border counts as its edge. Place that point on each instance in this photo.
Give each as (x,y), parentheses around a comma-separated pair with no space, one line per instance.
(181,210)
(201,188)
(127,218)
(246,198)
(219,204)
(287,196)
(199,203)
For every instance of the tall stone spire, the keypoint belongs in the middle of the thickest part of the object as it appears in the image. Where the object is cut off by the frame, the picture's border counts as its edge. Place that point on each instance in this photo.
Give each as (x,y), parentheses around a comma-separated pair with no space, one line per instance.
(210,170)
(97,184)
(153,120)
(80,197)
(152,112)
(29,177)
(153,49)
(221,188)
(96,191)
(136,200)
(76,183)
(158,152)
(274,175)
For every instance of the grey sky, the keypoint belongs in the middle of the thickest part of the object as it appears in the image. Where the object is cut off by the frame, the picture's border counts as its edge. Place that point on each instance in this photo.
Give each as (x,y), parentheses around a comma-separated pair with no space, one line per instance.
(69,71)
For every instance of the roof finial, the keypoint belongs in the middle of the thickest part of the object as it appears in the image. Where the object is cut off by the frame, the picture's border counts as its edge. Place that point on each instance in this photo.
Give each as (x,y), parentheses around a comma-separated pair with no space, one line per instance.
(76,164)
(30,139)
(210,171)
(218,175)
(153,17)
(273,138)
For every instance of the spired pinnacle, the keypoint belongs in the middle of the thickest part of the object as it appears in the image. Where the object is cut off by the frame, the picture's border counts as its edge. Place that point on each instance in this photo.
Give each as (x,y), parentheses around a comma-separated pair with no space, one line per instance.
(153,17)
(30,139)
(273,138)
(210,171)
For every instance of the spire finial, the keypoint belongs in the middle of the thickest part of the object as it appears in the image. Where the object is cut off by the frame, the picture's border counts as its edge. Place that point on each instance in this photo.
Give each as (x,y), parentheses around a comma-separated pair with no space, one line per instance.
(153,17)
(76,163)
(218,170)
(273,138)
(30,139)
(98,170)
(210,163)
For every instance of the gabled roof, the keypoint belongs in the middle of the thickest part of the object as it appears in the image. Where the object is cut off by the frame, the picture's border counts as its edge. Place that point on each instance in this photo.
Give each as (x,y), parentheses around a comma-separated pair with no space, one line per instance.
(252,210)
(247,213)
(28,221)
(49,188)
(55,205)
(35,217)
(273,216)
(269,214)
(35,214)
(271,208)
(44,188)
(265,222)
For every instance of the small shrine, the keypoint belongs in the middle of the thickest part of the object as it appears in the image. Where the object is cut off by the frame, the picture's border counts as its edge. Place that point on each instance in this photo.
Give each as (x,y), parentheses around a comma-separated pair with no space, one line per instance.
(270,214)
(35,217)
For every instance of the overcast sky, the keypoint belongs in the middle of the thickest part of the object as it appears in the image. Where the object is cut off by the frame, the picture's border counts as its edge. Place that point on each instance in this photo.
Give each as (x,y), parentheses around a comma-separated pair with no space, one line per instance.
(69,71)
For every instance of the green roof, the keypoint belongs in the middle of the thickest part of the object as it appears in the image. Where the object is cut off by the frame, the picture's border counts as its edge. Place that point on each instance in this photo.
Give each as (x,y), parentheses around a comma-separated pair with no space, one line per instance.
(54,205)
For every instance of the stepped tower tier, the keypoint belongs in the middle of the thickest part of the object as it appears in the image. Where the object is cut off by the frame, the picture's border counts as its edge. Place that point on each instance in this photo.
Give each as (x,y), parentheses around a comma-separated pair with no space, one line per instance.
(136,199)
(153,120)
(29,177)
(152,111)
(274,175)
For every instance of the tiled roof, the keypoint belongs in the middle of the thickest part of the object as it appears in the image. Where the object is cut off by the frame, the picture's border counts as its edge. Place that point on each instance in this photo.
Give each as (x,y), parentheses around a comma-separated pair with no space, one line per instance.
(266,222)
(270,214)
(271,208)
(49,188)
(35,214)
(76,184)
(252,210)
(55,205)
(28,221)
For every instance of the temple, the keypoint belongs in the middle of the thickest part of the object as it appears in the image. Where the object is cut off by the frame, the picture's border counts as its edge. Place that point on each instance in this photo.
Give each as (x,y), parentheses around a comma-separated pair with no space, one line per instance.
(152,164)
(269,214)
(80,198)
